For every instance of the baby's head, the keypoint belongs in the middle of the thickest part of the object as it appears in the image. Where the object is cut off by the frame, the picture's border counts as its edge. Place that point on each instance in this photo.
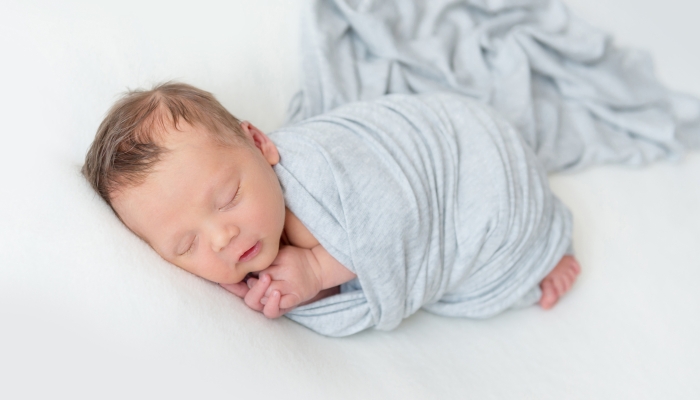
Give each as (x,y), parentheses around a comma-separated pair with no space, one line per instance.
(191,180)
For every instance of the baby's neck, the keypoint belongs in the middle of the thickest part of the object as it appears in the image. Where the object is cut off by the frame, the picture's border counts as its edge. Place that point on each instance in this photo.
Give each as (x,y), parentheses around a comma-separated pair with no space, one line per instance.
(284,240)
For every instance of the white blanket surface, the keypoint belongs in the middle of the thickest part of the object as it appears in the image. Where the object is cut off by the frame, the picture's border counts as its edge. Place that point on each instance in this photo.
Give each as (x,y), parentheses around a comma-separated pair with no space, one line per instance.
(87,310)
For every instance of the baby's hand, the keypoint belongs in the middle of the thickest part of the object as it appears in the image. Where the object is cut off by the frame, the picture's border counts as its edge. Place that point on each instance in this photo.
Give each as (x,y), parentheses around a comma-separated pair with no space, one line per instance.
(289,281)
(295,275)
(253,290)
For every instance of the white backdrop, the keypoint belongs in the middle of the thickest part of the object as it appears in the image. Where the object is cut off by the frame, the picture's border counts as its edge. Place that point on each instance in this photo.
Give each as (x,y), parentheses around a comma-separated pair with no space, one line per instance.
(87,310)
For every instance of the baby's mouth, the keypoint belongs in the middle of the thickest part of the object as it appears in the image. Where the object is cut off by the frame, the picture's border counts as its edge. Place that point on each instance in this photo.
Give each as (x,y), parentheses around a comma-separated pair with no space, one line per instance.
(251,252)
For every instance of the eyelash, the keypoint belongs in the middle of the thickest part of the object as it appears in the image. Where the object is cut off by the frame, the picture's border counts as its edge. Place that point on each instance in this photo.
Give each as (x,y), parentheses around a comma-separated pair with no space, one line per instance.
(189,250)
(235,197)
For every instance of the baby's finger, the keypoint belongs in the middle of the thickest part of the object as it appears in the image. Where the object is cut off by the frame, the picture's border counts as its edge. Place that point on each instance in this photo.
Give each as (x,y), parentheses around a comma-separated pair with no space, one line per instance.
(251,282)
(289,301)
(272,308)
(252,298)
(286,301)
(240,289)
(281,286)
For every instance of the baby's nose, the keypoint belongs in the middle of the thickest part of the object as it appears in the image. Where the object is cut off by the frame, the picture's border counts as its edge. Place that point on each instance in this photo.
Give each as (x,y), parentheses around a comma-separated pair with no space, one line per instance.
(223,237)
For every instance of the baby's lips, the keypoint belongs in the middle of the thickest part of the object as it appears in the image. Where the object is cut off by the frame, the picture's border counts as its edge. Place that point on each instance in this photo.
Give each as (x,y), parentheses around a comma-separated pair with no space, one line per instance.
(250,252)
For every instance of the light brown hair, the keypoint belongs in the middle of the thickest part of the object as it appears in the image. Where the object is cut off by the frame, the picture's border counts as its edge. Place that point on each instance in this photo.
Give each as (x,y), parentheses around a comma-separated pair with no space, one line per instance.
(126,148)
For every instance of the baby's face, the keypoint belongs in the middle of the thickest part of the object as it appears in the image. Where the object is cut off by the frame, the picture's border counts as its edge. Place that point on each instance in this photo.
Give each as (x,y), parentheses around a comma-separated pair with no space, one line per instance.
(217,212)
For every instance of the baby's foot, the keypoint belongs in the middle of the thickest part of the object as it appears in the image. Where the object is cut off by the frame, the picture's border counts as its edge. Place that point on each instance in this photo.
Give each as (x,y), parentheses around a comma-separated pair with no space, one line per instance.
(559,281)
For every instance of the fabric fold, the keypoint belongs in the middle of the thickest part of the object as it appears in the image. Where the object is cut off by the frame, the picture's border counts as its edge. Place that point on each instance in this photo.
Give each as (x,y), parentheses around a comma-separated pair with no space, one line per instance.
(440,200)
(559,81)
(433,200)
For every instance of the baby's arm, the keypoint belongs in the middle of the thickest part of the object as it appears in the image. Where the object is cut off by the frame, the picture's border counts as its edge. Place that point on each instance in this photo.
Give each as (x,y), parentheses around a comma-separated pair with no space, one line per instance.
(297,276)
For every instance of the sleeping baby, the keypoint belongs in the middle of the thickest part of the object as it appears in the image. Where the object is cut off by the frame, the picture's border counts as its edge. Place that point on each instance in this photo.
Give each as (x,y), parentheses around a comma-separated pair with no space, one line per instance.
(353,219)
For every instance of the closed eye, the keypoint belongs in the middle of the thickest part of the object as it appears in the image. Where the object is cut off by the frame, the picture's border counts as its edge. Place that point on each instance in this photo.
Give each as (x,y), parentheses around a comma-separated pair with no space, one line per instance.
(233,200)
(189,249)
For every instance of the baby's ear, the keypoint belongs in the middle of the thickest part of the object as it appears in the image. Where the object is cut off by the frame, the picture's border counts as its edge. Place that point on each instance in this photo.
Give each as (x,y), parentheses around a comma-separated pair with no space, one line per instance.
(262,142)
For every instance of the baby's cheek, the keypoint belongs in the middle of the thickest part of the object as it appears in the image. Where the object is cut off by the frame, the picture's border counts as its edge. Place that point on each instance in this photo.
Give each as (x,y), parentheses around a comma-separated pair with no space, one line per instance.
(209,268)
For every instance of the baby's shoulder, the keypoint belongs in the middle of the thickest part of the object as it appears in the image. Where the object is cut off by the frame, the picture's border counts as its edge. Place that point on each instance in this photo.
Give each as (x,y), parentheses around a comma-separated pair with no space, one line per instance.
(296,232)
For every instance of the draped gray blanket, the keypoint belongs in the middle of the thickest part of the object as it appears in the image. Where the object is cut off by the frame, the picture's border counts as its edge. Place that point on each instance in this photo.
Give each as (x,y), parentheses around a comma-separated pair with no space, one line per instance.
(575,98)
(432,200)
(435,201)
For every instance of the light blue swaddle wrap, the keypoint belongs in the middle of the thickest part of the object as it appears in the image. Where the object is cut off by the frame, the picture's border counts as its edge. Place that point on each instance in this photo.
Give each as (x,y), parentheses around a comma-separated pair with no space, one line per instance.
(435,201)
(575,97)
(432,200)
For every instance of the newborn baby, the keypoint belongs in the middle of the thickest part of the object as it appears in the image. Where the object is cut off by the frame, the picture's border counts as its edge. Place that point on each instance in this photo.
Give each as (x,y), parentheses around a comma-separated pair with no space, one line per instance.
(218,198)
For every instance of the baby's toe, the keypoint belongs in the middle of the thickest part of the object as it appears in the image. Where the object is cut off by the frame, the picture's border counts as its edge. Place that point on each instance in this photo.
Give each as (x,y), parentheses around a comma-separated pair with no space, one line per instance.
(575,266)
(560,285)
(549,294)
(567,281)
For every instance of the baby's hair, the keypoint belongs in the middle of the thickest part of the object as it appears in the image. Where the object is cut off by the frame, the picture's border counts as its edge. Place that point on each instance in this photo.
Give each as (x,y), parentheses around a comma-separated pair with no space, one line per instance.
(125,148)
